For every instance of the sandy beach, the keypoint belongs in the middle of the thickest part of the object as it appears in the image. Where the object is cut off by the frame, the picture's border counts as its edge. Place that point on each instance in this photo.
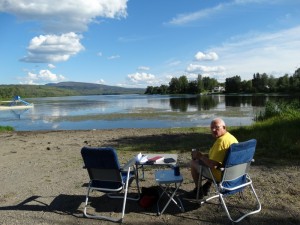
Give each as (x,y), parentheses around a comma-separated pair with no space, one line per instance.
(43,182)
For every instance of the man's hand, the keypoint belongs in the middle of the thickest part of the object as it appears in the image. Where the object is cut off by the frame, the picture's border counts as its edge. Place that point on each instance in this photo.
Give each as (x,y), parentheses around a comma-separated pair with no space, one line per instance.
(196,155)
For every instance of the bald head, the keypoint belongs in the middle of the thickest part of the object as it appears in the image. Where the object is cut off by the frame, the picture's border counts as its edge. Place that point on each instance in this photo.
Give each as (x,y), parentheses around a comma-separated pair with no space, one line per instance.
(218,121)
(218,127)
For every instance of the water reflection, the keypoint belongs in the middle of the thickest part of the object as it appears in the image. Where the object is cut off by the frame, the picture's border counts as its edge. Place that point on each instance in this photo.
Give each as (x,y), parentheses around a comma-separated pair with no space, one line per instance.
(203,102)
(135,111)
(18,113)
(208,102)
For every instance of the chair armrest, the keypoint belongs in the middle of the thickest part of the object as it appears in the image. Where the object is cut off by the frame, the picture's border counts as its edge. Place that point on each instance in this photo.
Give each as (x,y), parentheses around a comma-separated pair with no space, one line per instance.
(129,164)
(222,168)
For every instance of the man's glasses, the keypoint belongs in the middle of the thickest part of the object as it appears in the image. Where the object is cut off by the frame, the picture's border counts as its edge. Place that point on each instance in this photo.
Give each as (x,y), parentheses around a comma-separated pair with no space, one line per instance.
(215,127)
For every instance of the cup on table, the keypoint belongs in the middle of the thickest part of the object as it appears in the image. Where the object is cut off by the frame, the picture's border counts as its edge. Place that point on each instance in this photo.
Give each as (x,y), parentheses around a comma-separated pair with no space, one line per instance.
(176,170)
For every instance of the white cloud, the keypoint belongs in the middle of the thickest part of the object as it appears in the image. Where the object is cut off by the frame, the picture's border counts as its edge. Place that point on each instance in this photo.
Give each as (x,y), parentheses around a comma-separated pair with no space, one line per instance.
(143,68)
(142,77)
(101,81)
(64,15)
(190,17)
(51,66)
(53,48)
(210,56)
(195,68)
(44,76)
(173,63)
(186,18)
(271,53)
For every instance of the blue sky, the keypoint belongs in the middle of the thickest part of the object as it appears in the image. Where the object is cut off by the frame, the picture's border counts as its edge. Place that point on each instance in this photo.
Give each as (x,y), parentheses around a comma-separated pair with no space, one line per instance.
(140,43)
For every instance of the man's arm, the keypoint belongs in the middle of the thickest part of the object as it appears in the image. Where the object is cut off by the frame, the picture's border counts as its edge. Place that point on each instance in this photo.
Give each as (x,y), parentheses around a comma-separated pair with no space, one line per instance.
(205,160)
(210,163)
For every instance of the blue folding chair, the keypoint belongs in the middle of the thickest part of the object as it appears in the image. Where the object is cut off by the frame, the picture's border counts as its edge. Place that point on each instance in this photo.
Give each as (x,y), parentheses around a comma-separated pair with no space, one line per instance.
(108,177)
(235,176)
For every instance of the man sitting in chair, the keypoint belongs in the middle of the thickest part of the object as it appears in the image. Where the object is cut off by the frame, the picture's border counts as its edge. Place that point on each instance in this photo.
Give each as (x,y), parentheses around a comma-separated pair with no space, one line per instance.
(213,159)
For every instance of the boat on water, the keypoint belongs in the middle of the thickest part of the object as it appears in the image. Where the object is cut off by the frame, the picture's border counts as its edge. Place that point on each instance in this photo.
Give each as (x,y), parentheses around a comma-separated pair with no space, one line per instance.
(16,103)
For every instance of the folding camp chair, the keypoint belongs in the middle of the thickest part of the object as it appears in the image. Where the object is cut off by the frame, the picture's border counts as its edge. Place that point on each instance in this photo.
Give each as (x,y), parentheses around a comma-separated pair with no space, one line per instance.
(235,177)
(108,177)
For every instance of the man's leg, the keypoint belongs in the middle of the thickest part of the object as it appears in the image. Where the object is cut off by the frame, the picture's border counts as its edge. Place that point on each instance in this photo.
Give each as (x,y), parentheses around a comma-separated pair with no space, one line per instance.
(195,171)
(195,168)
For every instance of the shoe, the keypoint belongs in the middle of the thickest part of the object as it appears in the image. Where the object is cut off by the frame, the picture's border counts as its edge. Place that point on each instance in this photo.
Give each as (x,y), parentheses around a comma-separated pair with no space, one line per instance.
(193,194)
(206,188)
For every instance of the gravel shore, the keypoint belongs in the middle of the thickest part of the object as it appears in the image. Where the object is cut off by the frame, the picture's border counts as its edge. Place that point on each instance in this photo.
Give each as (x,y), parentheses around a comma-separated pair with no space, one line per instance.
(43,182)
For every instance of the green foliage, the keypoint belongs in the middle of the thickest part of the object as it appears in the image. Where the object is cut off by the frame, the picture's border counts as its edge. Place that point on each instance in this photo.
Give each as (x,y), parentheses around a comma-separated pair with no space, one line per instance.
(233,84)
(30,91)
(278,137)
(261,83)
(181,85)
(277,131)
(6,128)
(62,89)
(281,109)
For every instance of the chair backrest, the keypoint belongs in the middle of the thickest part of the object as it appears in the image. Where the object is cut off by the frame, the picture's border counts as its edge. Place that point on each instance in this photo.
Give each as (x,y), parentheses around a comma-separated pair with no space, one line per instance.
(237,162)
(102,164)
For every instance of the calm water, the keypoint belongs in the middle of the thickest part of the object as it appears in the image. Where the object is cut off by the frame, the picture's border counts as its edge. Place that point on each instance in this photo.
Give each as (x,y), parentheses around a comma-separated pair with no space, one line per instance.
(133,111)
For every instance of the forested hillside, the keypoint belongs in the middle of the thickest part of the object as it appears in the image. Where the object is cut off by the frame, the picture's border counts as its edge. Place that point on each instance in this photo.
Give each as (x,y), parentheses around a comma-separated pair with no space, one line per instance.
(96,89)
(63,89)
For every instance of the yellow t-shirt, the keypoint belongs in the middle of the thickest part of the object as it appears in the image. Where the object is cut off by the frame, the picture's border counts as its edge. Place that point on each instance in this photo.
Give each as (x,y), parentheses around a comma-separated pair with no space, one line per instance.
(218,151)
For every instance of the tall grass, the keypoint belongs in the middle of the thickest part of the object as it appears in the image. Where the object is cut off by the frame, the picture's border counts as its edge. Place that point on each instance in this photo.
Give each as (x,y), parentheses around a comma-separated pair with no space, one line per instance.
(277,131)
(281,109)
(6,128)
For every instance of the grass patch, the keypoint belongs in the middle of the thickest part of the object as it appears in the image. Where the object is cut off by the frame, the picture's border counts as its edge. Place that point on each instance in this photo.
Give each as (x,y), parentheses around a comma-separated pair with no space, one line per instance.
(278,137)
(6,128)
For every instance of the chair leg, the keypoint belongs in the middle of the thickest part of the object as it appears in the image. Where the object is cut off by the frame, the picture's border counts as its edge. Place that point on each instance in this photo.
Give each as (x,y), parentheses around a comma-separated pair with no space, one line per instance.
(258,209)
(97,216)
(199,185)
(125,194)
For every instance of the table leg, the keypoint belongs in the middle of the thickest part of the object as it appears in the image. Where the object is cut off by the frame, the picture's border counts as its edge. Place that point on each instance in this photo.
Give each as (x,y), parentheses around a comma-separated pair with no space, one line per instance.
(171,195)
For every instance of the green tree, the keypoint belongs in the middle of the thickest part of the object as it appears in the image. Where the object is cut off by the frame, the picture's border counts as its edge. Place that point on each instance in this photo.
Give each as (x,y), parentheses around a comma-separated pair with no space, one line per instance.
(149,90)
(209,83)
(233,84)
(295,81)
(272,83)
(163,89)
(183,84)
(283,83)
(193,87)
(200,84)
(246,86)
(174,86)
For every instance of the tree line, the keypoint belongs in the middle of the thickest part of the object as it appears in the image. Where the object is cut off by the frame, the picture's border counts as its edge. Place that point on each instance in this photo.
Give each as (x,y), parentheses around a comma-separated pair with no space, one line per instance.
(31,91)
(7,92)
(260,83)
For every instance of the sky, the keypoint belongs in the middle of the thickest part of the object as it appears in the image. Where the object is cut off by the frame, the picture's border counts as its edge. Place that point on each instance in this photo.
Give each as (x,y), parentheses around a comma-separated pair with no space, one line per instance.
(140,43)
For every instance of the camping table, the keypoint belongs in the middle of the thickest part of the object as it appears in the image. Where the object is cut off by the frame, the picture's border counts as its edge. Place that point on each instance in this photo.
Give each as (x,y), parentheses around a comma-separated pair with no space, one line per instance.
(166,180)
(158,163)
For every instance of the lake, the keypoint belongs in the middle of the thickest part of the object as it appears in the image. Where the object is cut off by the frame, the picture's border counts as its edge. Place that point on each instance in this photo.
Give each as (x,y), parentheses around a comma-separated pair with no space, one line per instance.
(134,111)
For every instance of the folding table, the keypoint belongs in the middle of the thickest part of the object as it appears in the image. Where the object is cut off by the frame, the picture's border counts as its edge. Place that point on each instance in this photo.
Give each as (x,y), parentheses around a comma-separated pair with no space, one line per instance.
(169,183)
(159,163)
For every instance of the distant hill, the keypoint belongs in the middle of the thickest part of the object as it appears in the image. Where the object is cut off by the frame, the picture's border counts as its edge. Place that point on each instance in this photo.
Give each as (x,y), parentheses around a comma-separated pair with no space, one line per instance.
(95,89)
(63,89)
